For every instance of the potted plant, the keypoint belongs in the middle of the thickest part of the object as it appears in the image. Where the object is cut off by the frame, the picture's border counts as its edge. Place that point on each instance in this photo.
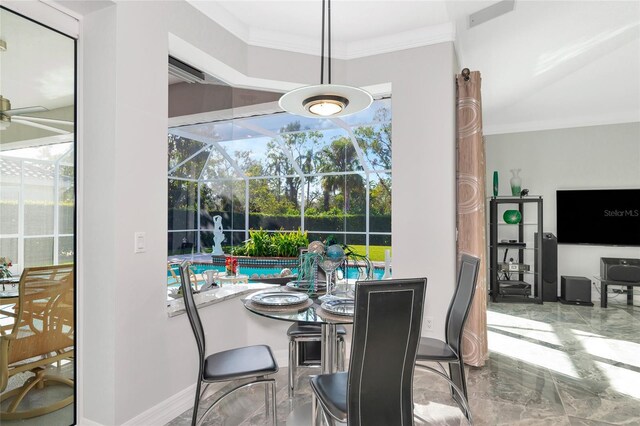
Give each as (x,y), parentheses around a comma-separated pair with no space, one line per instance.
(5,264)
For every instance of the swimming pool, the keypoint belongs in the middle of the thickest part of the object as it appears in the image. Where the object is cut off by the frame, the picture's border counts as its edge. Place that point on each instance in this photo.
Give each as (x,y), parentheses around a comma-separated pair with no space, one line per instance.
(256,273)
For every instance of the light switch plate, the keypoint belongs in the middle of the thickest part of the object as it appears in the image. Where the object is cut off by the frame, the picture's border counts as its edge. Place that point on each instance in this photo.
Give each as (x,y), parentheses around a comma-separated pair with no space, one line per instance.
(140,243)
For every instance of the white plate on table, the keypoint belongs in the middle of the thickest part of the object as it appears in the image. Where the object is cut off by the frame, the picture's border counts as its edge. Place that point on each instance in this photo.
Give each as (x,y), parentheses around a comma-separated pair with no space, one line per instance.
(305,285)
(344,307)
(279,298)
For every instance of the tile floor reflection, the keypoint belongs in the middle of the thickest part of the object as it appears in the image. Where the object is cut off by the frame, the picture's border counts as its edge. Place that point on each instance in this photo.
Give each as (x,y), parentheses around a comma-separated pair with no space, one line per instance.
(550,364)
(41,397)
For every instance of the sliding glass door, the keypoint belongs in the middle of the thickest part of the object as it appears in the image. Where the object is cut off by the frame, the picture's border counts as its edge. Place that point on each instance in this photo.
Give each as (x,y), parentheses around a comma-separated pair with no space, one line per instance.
(37,221)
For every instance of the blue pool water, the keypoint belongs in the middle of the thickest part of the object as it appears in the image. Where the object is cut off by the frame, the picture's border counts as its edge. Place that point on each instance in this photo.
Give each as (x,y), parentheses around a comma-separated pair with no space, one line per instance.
(248,270)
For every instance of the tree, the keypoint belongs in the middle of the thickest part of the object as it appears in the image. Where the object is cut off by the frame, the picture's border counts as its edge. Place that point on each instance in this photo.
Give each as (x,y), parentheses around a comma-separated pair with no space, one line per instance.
(341,156)
(301,149)
(375,143)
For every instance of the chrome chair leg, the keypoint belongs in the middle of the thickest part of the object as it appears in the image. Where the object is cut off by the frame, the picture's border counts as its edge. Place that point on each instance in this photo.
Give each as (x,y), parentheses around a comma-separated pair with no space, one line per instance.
(293,360)
(267,391)
(194,416)
(315,418)
(274,404)
(461,400)
(259,380)
(341,355)
(328,419)
(456,373)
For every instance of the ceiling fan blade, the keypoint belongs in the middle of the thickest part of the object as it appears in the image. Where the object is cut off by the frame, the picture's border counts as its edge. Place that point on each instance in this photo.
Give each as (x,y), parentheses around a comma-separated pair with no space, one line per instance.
(18,120)
(46,120)
(27,110)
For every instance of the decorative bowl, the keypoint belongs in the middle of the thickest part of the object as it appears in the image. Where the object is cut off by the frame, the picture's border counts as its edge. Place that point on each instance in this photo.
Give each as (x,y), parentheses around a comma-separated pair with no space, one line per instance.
(512,217)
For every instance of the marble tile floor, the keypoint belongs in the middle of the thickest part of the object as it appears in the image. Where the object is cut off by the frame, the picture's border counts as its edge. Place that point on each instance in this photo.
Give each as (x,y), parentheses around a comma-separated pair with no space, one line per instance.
(38,398)
(549,364)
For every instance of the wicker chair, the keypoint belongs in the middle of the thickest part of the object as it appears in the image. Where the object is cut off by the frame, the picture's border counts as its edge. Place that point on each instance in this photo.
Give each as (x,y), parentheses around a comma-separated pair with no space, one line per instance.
(43,333)
(195,279)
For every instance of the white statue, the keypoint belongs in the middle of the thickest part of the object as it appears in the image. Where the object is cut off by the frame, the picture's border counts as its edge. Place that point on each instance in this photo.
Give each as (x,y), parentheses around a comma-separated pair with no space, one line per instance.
(218,235)
(387,265)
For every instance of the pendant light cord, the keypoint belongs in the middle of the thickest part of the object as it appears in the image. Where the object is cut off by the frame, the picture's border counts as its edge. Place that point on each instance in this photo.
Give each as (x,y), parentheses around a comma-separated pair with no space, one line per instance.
(326,10)
(322,48)
(329,39)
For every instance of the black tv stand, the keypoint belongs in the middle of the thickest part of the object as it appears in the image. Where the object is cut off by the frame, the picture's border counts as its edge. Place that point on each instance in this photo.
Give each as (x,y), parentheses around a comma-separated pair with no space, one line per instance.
(604,285)
(519,281)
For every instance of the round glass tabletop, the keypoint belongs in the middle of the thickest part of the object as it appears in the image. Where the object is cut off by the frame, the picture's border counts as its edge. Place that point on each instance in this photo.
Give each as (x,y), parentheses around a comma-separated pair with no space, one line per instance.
(296,313)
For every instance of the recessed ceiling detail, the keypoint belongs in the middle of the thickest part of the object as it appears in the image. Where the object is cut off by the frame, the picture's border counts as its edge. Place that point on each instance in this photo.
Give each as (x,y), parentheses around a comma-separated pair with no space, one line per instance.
(363,28)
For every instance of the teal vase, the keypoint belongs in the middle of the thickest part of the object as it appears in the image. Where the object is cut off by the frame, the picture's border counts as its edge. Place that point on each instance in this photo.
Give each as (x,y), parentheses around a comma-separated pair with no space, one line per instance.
(512,217)
(495,183)
(516,182)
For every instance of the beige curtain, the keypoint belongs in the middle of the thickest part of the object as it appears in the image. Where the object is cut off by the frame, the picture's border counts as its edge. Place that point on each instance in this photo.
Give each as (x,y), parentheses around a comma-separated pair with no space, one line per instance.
(471,209)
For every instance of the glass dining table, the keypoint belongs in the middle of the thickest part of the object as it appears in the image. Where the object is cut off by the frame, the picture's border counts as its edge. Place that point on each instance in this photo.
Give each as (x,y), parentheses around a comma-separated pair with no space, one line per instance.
(9,297)
(309,313)
(9,290)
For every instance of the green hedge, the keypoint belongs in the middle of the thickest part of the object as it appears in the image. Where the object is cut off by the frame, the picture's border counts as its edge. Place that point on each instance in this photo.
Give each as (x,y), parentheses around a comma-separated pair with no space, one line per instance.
(187,219)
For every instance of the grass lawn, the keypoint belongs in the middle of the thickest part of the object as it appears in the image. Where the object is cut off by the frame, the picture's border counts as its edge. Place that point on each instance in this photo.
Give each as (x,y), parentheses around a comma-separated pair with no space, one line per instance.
(376,253)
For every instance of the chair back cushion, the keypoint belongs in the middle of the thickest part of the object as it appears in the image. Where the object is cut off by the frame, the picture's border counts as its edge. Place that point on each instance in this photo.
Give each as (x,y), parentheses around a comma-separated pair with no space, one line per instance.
(386,333)
(459,309)
(192,311)
(44,321)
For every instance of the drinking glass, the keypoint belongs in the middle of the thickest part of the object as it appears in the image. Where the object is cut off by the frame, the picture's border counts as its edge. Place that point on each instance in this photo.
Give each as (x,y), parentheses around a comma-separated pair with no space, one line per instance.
(329,264)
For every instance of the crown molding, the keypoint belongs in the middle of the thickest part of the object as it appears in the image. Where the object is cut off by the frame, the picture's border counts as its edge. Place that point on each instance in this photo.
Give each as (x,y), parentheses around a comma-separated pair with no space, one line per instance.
(281,40)
(565,123)
(419,37)
(223,17)
(356,49)
(424,36)
(213,66)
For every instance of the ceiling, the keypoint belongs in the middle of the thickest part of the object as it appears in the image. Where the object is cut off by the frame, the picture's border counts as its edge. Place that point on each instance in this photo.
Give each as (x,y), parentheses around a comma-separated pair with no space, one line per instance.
(38,65)
(546,64)
(37,71)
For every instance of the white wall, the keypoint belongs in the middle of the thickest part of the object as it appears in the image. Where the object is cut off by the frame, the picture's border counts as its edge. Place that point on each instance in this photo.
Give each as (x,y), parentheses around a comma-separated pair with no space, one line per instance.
(423,166)
(134,356)
(576,158)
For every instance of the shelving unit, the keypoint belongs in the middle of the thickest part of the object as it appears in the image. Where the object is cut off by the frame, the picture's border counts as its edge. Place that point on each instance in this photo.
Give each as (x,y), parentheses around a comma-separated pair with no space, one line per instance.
(519,281)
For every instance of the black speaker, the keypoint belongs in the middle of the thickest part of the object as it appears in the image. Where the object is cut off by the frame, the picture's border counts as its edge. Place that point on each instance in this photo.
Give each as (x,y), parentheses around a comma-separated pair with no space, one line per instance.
(549,267)
(575,290)
(618,269)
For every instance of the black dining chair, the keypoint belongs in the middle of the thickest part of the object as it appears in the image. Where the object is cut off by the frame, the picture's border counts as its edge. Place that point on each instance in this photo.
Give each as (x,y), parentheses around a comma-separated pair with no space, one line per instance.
(299,334)
(251,362)
(450,350)
(378,388)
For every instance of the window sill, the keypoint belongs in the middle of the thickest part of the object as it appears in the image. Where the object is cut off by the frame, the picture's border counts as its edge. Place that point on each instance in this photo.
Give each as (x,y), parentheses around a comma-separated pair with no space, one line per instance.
(217,295)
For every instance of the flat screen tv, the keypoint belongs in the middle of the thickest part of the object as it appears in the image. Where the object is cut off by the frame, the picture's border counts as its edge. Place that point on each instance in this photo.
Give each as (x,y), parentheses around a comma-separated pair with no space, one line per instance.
(598,216)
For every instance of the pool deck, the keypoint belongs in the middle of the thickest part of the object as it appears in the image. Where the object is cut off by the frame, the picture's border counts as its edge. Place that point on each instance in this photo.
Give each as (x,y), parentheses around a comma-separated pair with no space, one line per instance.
(203,258)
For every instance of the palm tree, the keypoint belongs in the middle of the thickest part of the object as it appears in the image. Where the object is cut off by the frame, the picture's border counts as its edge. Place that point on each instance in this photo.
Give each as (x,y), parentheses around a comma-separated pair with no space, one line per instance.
(341,156)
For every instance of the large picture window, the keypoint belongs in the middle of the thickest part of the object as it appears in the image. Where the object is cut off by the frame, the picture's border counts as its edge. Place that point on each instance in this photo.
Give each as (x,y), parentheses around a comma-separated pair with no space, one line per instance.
(283,172)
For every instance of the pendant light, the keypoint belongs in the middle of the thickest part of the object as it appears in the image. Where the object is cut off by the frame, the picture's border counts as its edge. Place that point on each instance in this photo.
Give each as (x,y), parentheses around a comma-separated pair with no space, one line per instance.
(325,100)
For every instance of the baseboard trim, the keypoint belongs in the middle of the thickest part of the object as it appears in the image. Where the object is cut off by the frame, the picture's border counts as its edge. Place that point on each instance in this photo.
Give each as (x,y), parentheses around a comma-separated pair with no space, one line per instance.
(87,422)
(167,410)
